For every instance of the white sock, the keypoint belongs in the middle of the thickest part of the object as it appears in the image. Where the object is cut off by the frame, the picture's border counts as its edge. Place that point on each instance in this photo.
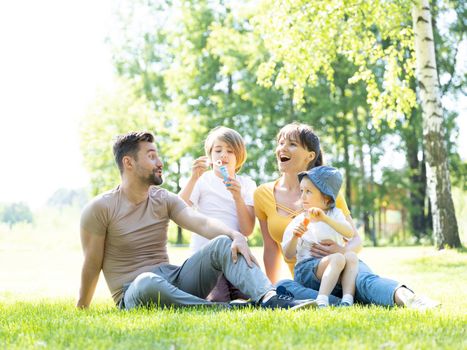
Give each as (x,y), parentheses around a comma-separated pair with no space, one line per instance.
(322,300)
(347,298)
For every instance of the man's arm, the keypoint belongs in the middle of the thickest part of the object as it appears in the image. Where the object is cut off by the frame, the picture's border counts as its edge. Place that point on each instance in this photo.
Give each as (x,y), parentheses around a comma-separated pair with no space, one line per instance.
(203,225)
(211,228)
(93,248)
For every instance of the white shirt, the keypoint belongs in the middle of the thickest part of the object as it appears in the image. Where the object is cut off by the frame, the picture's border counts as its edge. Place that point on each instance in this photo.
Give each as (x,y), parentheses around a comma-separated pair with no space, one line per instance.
(317,231)
(211,197)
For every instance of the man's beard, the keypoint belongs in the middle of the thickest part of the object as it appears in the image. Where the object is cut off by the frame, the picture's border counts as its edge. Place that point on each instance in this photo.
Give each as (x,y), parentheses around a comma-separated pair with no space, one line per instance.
(152,180)
(155,180)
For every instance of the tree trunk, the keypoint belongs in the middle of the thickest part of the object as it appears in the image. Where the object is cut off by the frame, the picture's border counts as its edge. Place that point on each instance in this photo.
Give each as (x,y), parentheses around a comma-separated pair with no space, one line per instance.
(363,190)
(445,228)
(179,229)
(417,190)
(348,179)
(427,222)
(372,201)
(291,107)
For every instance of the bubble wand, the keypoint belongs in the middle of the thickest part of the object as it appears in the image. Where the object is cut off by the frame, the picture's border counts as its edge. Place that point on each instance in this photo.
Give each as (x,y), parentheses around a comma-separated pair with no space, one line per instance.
(306,219)
(223,170)
(305,222)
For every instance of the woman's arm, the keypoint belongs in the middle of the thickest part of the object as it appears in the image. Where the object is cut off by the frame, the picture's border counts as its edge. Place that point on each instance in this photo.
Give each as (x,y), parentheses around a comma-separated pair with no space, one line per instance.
(271,254)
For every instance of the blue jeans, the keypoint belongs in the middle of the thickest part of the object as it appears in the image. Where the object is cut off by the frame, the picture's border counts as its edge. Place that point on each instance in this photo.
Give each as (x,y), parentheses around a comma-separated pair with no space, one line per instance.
(190,283)
(369,288)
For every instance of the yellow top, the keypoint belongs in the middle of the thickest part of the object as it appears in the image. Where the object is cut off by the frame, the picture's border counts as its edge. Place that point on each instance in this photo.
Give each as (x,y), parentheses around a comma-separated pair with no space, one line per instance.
(266,210)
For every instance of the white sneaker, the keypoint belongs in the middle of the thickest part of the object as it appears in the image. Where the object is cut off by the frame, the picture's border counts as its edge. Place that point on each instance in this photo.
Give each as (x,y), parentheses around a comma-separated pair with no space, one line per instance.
(421,303)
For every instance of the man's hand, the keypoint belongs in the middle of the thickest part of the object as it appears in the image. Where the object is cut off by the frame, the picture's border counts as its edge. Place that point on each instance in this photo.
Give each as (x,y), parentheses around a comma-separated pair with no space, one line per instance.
(81,306)
(239,245)
(325,248)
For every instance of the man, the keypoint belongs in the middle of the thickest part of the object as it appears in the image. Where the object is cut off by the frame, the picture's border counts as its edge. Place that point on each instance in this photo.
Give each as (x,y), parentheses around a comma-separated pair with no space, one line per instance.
(124,233)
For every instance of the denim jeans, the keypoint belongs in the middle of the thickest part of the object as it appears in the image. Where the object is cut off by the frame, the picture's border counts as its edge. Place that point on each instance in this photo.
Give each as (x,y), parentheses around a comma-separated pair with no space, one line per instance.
(306,285)
(190,283)
(369,288)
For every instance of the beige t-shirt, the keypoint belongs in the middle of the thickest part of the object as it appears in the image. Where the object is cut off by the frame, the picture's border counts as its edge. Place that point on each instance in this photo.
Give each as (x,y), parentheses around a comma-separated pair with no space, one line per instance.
(136,235)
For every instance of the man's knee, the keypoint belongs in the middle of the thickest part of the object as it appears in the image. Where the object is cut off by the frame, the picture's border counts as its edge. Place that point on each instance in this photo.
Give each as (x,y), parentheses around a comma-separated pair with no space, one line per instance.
(147,284)
(221,242)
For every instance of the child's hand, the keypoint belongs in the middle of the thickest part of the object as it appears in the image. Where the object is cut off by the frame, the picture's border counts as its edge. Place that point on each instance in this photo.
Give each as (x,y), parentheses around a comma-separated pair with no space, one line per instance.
(200,165)
(299,230)
(306,218)
(235,188)
(316,214)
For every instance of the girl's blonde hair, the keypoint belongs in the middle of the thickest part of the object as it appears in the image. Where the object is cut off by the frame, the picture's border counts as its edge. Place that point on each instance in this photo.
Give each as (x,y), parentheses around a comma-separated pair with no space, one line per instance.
(231,138)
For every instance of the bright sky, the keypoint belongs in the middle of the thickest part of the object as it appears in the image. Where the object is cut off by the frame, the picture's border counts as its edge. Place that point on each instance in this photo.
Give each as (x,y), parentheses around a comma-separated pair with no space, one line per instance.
(53,60)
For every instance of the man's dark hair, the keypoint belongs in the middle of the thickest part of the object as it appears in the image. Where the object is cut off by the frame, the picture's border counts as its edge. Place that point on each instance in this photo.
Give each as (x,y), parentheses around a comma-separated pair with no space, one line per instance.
(128,145)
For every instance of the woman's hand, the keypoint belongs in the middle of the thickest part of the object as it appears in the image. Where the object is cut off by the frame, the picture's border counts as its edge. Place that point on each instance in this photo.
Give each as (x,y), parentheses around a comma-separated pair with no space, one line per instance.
(325,248)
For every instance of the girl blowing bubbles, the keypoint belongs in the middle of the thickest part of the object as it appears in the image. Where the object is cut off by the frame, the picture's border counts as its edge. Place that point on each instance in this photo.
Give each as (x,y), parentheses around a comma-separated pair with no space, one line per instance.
(230,201)
(319,188)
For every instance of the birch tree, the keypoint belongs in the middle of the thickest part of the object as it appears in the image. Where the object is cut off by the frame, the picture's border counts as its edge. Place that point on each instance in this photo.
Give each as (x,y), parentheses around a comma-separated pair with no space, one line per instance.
(445,227)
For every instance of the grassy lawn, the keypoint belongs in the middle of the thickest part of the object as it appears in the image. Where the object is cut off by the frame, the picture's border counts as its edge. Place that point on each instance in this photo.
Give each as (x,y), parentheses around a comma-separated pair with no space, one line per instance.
(39,280)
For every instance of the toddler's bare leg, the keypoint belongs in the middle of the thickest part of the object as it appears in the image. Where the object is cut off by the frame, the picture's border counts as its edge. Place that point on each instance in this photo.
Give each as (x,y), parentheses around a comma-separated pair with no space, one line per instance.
(349,274)
(329,270)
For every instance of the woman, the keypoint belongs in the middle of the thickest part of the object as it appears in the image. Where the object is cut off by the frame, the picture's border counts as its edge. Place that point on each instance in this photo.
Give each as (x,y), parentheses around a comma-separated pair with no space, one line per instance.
(277,203)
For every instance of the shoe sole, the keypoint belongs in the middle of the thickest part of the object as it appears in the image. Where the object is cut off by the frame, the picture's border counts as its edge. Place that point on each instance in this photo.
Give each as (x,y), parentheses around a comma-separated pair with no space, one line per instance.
(237,305)
(311,304)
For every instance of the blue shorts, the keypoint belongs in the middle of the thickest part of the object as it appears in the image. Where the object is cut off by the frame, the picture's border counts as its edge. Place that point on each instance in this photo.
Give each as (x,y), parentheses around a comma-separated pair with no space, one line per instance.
(305,274)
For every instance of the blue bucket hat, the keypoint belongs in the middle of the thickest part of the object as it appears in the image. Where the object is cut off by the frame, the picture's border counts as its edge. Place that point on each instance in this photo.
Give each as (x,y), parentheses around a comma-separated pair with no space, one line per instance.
(326,178)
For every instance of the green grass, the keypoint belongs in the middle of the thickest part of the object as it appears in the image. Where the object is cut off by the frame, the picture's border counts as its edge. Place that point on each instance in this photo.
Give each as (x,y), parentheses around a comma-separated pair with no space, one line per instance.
(58,325)
(28,322)
(39,281)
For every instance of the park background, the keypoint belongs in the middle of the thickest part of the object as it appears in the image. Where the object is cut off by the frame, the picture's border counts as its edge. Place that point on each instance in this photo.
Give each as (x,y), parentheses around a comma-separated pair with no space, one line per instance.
(75,74)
